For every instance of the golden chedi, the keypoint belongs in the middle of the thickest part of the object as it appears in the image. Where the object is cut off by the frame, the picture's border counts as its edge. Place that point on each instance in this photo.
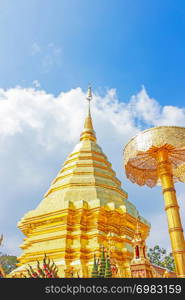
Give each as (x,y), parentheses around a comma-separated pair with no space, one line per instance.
(83,207)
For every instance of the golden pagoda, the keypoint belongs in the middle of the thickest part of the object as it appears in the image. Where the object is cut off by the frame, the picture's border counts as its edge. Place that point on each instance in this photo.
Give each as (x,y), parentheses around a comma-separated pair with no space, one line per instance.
(84,206)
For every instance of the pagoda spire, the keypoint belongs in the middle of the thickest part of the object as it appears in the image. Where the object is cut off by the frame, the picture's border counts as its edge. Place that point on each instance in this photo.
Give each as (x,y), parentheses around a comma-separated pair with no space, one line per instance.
(140,264)
(88,132)
(108,271)
(102,264)
(95,268)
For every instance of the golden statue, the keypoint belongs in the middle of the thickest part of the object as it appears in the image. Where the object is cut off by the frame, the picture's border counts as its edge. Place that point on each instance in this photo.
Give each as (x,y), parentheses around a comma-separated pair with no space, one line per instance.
(157,155)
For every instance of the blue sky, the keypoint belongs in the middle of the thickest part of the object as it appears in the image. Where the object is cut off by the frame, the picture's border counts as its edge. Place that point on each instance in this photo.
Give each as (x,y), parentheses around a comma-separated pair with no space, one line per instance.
(48,47)
(121,44)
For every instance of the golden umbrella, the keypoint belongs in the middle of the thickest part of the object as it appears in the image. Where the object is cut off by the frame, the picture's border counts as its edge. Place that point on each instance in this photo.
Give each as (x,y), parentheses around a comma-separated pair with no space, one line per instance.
(157,155)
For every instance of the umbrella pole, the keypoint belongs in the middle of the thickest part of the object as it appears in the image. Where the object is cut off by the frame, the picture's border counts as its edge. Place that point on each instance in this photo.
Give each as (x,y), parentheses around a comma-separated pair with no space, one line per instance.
(172,211)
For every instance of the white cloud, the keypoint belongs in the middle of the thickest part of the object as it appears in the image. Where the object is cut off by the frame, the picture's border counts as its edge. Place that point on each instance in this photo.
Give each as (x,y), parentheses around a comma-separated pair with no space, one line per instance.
(49,55)
(159,232)
(144,108)
(181,202)
(148,111)
(38,130)
(36,83)
(159,227)
(55,50)
(171,115)
(35,49)
(11,244)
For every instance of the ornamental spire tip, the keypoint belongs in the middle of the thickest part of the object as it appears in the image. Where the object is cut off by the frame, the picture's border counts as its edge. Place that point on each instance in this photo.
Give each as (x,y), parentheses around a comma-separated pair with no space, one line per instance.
(88,131)
(89,93)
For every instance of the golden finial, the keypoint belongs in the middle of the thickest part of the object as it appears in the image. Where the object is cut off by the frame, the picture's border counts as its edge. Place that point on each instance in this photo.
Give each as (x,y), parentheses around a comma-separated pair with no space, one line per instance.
(89,93)
(88,131)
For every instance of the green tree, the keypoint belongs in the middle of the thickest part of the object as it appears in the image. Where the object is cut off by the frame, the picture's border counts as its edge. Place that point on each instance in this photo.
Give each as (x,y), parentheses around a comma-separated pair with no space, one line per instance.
(8,262)
(168,262)
(159,256)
